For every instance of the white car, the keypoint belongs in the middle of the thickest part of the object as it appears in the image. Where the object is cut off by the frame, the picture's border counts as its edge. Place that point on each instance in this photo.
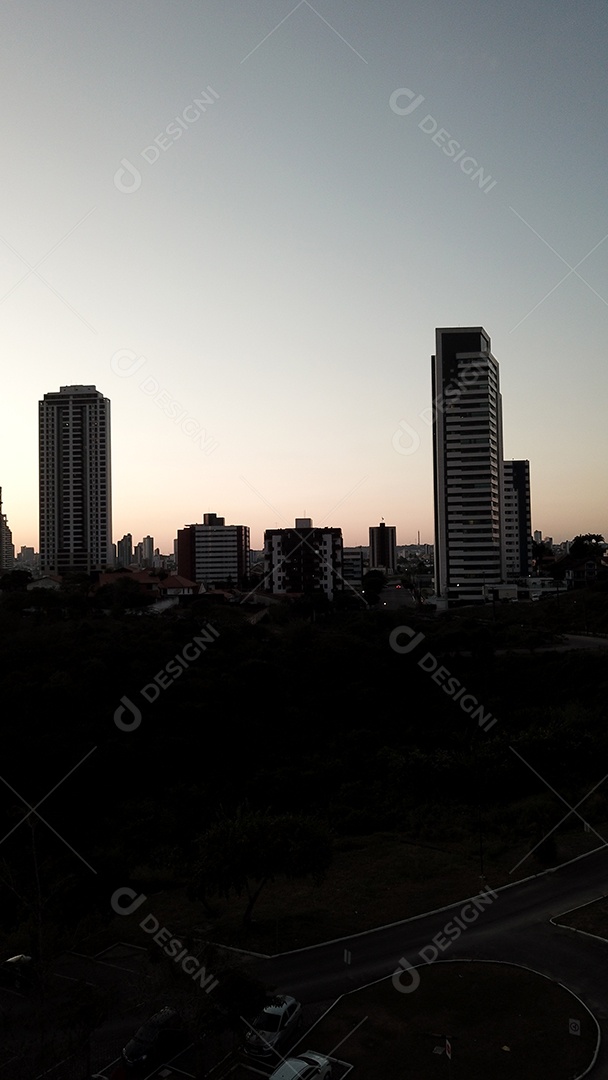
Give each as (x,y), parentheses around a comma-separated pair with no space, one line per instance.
(307,1066)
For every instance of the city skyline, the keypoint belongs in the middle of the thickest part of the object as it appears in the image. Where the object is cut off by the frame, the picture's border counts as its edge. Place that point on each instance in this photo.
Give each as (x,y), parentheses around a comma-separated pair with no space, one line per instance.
(244,229)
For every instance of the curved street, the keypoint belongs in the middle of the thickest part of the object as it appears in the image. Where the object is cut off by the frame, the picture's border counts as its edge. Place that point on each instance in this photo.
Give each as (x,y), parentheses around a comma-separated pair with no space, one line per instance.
(515,927)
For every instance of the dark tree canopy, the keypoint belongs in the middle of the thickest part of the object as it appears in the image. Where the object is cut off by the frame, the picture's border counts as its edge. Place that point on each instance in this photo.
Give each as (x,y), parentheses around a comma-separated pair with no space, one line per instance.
(15,580)
(586,544)
(243,853)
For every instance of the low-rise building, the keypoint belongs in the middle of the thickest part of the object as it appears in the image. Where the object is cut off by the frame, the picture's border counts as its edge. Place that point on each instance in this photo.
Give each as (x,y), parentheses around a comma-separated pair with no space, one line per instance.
(304,560)
(214,554)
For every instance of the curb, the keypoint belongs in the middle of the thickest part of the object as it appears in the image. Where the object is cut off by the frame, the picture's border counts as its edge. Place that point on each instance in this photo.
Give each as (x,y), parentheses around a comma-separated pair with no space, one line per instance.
(573,929)
(437,911)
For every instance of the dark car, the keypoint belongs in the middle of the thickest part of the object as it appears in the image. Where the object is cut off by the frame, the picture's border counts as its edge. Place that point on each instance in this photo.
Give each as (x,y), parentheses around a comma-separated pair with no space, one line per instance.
(152,1038)
(17,972)
(273,1027)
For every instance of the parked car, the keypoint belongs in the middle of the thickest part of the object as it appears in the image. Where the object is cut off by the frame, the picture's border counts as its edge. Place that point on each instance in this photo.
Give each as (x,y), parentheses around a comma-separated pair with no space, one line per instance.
(273,1027)
(307,1066)
(17,972)
(151,1039)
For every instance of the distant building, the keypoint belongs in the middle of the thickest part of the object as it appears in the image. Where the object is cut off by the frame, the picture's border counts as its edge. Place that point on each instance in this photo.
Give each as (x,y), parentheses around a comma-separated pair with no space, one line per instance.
(172,585)
(164,562)
(517,519)
(148,551)
(353,560)
(304,559)
(124,551)
(75,481)
(383,547)
(213,553)
(7,550)
(49,581)
(27,558)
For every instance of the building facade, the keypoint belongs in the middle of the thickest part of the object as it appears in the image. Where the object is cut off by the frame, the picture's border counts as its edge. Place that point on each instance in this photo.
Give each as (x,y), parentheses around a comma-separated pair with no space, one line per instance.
(353,566)
(304,559)
(517,519)
(214,554)
(383,547)
(467,466)
(75,481)
(148,551)
(7,549)
(124,551)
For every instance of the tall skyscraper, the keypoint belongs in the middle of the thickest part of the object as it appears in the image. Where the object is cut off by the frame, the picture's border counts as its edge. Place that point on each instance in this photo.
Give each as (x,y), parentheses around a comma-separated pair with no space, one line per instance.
(75,481)
(517,519)
(467,466)
(383,547)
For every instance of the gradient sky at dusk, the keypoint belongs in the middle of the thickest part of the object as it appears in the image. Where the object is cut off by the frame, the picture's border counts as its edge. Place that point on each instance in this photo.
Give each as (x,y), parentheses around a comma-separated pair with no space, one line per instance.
(275,271)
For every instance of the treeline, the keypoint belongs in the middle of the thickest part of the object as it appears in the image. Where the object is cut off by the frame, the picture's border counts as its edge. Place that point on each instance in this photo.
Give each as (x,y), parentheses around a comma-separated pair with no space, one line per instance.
(289,715)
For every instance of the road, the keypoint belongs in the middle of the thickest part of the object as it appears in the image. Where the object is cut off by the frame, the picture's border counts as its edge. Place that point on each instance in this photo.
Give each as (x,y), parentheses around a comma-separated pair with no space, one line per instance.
(514,928)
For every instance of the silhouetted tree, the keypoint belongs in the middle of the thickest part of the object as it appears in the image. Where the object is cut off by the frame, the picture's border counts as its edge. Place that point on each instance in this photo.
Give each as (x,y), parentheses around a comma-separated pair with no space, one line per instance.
(587,545)
(243,853)
(14,580)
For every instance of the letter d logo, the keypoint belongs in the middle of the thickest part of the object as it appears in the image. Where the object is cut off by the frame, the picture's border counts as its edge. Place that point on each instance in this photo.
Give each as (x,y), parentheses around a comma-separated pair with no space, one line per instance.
(407,109)
(127,179)
(412,435)
(137,900)
(407,630)
(133,363)
(127,725)
(396,979)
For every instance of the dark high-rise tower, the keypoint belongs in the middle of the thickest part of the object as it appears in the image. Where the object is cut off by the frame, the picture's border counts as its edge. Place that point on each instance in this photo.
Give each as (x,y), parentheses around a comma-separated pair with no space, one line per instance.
(383,547)
(75,481)
(467,465)
(517,519)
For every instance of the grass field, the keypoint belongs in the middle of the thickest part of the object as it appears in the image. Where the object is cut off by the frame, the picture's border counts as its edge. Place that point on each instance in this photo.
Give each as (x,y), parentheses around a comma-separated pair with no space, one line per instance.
(374,880)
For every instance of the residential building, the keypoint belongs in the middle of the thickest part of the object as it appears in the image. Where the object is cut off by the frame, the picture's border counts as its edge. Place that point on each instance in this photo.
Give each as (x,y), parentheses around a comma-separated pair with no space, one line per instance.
(124,551)
(7,550)
(467,466)
(164,562)
(353,560)
(27,558)
(148,551)
(75,481)
(383,547)
(172,585)
(213,553)
(517,519)
(304,559)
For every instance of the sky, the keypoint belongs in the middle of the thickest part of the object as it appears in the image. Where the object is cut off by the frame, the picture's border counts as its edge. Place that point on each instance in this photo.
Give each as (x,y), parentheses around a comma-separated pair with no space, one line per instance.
(243,222)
